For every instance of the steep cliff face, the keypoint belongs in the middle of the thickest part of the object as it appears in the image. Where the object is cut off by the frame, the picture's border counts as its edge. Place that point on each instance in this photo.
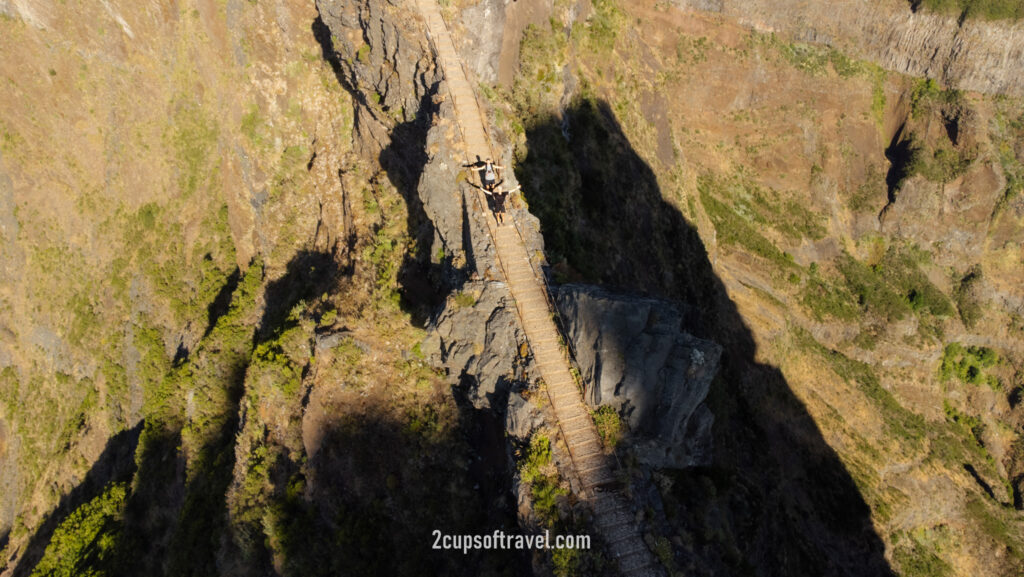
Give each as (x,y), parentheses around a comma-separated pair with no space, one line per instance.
(970,54)
(217,191)
(149,153)
(635,357)
(862,233)
(222,225)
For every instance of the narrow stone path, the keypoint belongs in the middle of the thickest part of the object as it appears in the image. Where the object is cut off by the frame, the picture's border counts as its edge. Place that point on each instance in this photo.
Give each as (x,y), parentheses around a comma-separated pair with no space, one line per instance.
(612,513)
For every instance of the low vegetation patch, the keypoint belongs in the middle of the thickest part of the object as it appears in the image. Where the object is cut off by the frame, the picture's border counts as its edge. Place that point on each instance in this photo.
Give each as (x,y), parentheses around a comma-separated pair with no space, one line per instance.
(981,9)
(890,289)
(901,422)
(916,559)
(86,542)
(969,365)
(609,425)
(735,229)
(967,297)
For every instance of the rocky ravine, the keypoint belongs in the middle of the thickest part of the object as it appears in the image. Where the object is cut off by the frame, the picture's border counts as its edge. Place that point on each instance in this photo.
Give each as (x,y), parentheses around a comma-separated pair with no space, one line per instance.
(475,337)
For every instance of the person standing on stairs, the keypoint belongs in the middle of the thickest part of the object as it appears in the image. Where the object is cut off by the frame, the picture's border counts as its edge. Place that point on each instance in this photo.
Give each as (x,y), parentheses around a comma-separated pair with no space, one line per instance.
(498,196)
(488,172)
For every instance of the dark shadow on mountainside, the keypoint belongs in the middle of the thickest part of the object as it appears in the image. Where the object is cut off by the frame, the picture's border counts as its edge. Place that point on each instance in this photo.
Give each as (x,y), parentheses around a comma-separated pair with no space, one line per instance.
(776,499)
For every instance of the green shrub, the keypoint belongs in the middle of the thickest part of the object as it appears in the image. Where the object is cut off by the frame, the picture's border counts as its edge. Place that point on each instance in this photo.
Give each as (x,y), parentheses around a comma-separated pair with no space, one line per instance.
(871,290)
(901,422)
(994,523)
(901,271)
(192,138)
(609,425)
(544,492)
(806,57)
(825,299)
(604,24)
(272,360)
(969,364)
(566,562)
(538,455)
(254,128)
(914,559)
(463,300)
(85,544)
(966,295)
(733,229)
(329,317)
(363,54)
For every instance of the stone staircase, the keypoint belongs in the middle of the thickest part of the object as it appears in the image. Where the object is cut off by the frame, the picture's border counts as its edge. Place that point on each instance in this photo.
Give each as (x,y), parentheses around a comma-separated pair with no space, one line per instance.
(613,514)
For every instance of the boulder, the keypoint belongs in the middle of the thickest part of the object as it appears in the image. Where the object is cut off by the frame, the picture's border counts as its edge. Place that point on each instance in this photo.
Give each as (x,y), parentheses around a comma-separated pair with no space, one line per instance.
(477,343)
(634,355)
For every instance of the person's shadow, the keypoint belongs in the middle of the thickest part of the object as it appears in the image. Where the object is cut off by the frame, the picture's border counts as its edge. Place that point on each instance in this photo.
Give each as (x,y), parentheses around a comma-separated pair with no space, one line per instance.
(780,500)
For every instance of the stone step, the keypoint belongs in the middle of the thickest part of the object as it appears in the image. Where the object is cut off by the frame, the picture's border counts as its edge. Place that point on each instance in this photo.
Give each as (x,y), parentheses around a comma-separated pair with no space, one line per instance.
(574,424)
(574,411)
(629,546)
(589,463)
(566,408)
(537,315)
(521,276)
(568,393)
(617,533)
(563,400)
(636,561)
(576,438)
(599,478)
(565,385)
(572,418)
(615,518)
(606,503)
(546,340)
(594,464)
(549,363)
(586,450)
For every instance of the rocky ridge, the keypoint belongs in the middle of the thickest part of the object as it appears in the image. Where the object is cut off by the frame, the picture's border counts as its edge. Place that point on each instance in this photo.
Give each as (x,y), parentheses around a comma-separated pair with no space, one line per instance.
(973,54)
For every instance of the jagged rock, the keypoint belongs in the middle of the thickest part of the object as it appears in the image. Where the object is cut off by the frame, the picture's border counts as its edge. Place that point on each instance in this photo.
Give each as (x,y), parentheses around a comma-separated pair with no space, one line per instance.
(437,188)
(974,54)
(522,417)
(330,340)
(635,356)
(383,52)
(478,343)
(954,215)
(481,48)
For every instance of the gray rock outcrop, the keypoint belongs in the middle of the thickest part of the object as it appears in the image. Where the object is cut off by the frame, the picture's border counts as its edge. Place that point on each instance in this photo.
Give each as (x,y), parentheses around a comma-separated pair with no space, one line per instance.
(476,338)
(484,30)
(383,48)
(634,356)
(973,54)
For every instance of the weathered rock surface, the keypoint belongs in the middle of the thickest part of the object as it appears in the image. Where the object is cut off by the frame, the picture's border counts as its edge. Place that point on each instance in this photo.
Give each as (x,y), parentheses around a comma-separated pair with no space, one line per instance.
(484,30)
(479,344)
(382,48)
(522,417)
(954,215)
(975,54)
(489,33)
(635,356)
